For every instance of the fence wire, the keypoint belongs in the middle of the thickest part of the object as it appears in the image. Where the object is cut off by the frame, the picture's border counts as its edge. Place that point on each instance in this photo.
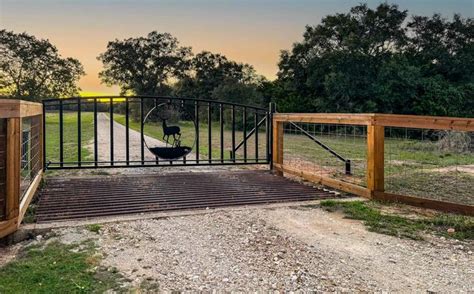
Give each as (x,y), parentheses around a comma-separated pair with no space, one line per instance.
(430,164)
(30,152)
(325,149)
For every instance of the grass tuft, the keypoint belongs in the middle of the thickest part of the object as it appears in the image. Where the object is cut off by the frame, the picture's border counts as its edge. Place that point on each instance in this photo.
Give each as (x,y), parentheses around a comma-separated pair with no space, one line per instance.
(400,226)
(95,228)
(55,268)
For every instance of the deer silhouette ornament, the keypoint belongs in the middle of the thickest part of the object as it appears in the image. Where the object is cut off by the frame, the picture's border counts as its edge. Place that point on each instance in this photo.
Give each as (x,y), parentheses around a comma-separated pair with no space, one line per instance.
(168,131)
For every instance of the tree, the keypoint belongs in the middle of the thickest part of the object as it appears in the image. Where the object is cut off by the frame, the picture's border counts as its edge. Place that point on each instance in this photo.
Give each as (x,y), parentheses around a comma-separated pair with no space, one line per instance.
(376,60)
(210,71)
(32,69)
(145,65)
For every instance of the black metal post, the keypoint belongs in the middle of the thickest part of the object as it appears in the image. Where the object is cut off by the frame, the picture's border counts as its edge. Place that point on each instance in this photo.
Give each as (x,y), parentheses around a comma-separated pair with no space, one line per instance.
(79,147)
(196,118)
(127,131)
(272,110)
(209,131)
(61,134)
(221,122)
(44,136)
(348,167)
(142,137)
(244,130)
(111,118)
(233,133)
(96,155)
(256,135)
(267,135)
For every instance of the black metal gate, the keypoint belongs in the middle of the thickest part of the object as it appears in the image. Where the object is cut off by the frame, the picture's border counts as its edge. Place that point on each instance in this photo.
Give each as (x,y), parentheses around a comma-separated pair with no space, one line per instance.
(145,131)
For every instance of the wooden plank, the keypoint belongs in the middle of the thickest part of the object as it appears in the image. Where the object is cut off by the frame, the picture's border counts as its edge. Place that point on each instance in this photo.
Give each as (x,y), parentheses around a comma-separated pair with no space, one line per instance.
(426,203)
(13,167)
(9,226)
(375,158)
(25,202)
(425,122)
(277,152)
(325,118)
(19,108)
(393,120)
(330,182)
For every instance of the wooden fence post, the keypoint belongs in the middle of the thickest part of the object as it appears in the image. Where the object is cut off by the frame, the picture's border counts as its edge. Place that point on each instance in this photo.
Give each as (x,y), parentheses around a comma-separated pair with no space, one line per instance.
(13,167)
(277,145)
(375,158)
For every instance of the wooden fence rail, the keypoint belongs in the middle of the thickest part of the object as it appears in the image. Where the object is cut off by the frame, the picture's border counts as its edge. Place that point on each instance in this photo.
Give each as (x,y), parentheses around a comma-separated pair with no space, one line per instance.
(15,198)
(375,124)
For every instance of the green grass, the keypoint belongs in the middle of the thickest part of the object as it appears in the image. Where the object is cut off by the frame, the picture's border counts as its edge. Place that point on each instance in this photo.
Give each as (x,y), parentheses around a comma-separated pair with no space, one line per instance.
(56,268)
(70,136)
(396,225)
(95,228)
(411,166)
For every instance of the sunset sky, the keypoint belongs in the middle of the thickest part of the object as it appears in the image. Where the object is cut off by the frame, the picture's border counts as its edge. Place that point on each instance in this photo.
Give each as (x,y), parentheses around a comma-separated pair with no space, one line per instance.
(253,32)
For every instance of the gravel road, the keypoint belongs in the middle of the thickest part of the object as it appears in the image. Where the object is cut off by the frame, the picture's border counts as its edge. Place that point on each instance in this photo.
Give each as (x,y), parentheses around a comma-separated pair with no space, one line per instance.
(103,134)
(283,249)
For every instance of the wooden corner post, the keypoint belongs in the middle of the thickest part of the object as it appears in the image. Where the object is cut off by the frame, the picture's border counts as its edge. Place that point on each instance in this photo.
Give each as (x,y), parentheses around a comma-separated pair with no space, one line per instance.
(375,159)
(13,167)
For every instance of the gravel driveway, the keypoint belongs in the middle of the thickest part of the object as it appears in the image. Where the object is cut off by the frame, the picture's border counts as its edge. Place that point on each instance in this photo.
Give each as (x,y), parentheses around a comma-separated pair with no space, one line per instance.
(284,249)
(103,134)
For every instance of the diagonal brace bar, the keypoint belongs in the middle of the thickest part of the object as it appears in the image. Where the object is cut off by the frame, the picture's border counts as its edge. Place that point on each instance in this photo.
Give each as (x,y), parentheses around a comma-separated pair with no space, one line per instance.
(249,134)
(346,161)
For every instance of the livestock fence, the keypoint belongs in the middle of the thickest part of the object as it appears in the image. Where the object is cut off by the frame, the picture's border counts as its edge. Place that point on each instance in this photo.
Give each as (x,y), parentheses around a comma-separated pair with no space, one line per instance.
(418,160)
(425,161)
(21,166)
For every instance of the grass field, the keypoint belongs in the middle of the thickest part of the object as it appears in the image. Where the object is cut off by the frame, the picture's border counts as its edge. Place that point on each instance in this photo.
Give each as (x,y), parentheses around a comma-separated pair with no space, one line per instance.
(188,136)
(70,136)
(412,167)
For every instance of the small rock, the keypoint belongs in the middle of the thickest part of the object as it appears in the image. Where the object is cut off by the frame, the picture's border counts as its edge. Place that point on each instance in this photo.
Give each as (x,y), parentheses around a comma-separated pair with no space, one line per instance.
(459,247)
(451,231)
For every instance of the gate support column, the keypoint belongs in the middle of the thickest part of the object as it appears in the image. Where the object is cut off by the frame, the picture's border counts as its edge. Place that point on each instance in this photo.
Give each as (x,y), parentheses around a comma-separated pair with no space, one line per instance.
(375,159)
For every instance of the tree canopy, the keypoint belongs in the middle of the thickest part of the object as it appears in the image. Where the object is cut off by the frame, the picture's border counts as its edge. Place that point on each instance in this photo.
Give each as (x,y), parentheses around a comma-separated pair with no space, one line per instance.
(210,71)
(144,65)
(32,69)
(377,60)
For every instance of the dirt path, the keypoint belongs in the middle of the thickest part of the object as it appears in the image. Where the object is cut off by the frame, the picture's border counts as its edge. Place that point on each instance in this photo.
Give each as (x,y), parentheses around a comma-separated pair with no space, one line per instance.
(281,249)
(103,134)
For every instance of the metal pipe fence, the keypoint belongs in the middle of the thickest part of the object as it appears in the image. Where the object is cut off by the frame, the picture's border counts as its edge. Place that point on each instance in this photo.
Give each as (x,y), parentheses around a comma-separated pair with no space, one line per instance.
(78,129)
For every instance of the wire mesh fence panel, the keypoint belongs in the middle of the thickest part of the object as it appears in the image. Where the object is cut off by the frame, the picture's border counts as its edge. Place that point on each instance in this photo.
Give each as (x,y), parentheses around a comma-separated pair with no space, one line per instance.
(327,150)
(30,152)
(434,164)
